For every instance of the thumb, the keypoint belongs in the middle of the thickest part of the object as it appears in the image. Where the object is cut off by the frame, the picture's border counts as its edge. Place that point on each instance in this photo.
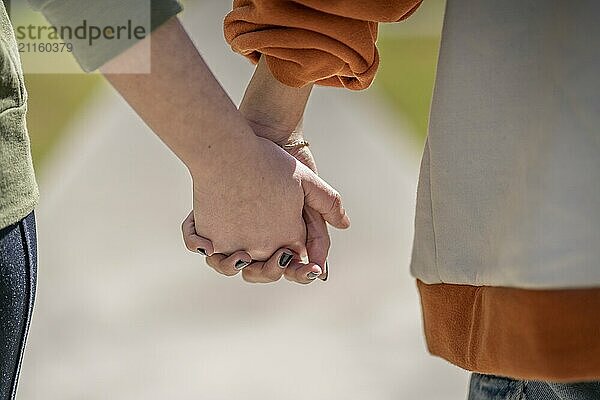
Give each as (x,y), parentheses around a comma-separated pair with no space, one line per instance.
(324,199)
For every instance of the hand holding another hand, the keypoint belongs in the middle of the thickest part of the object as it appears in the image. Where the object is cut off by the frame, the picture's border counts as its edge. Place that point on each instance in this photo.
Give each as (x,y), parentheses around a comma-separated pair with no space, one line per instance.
(251,198)
(259,207)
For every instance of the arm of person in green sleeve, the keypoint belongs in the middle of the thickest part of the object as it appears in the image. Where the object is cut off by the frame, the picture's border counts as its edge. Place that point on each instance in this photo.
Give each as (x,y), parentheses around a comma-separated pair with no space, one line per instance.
(244,192)
(185,106)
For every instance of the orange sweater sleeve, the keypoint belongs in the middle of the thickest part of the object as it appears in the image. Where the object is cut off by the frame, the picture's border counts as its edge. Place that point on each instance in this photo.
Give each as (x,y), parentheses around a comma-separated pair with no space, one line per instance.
(328,42)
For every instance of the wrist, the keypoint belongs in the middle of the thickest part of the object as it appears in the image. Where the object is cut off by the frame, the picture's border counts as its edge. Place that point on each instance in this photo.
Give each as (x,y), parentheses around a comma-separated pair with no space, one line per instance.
(279,136)
(216,158)
(187,108)
(273,109)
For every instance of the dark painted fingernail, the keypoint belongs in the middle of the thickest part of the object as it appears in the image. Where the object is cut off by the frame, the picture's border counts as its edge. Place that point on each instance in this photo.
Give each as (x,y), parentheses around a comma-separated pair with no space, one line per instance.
(241,264)
(326,273)
(312,275)
(202,251)
(285,259)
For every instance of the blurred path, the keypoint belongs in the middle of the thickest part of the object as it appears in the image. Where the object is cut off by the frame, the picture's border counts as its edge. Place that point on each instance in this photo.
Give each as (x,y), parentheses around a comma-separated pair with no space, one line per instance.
(124,312)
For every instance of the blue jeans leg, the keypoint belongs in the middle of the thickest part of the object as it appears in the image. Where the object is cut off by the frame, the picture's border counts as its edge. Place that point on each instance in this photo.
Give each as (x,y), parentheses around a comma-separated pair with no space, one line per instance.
(18,267)
(489,387)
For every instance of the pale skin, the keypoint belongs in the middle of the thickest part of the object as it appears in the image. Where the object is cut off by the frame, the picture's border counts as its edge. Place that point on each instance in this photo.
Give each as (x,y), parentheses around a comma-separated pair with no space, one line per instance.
(249,193)
(275,111)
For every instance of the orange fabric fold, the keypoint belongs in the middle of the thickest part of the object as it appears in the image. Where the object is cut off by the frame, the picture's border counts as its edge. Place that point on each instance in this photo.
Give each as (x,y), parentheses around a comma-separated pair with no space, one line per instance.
(330,43)
(367,10)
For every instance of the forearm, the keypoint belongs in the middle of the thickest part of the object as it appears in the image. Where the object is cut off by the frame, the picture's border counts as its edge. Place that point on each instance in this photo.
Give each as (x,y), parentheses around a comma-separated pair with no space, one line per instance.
(180,99)
(277,109)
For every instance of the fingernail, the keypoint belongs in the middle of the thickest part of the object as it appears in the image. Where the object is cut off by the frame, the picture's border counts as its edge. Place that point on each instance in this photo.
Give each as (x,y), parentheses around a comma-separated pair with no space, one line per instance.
(202,251)
(241,264)
(326,273)
(285,259)
(312,275)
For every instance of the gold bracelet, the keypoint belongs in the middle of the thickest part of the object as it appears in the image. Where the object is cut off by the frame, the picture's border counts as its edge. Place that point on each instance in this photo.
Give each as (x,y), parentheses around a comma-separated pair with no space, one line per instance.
(296,144)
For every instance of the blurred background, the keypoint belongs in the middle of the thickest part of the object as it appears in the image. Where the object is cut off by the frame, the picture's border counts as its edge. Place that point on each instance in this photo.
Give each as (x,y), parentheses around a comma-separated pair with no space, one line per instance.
(124,312)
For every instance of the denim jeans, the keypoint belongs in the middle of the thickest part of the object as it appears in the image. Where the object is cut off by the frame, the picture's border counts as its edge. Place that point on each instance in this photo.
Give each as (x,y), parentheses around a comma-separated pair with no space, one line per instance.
(489,387)
(18,267)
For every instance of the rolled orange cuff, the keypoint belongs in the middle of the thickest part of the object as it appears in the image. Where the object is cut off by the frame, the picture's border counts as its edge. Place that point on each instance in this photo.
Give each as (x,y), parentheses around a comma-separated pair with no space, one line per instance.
(312,41)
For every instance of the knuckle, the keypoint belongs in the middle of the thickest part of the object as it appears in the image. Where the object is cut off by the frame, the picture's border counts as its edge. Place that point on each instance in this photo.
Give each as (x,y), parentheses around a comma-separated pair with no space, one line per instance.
(186,222)
(297,246)
(261,254)
(272,276)
(248,276)
(212,262)
(227,270)
(187,242)
(288,275)
(219,270)
(188,245)
(293,276)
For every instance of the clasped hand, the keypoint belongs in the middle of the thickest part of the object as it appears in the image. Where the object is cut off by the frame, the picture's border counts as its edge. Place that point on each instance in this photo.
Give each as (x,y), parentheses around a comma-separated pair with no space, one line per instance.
(264,214)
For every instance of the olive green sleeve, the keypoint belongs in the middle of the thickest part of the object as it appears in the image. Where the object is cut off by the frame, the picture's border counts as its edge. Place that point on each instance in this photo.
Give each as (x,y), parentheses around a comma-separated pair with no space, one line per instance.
(105,14)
